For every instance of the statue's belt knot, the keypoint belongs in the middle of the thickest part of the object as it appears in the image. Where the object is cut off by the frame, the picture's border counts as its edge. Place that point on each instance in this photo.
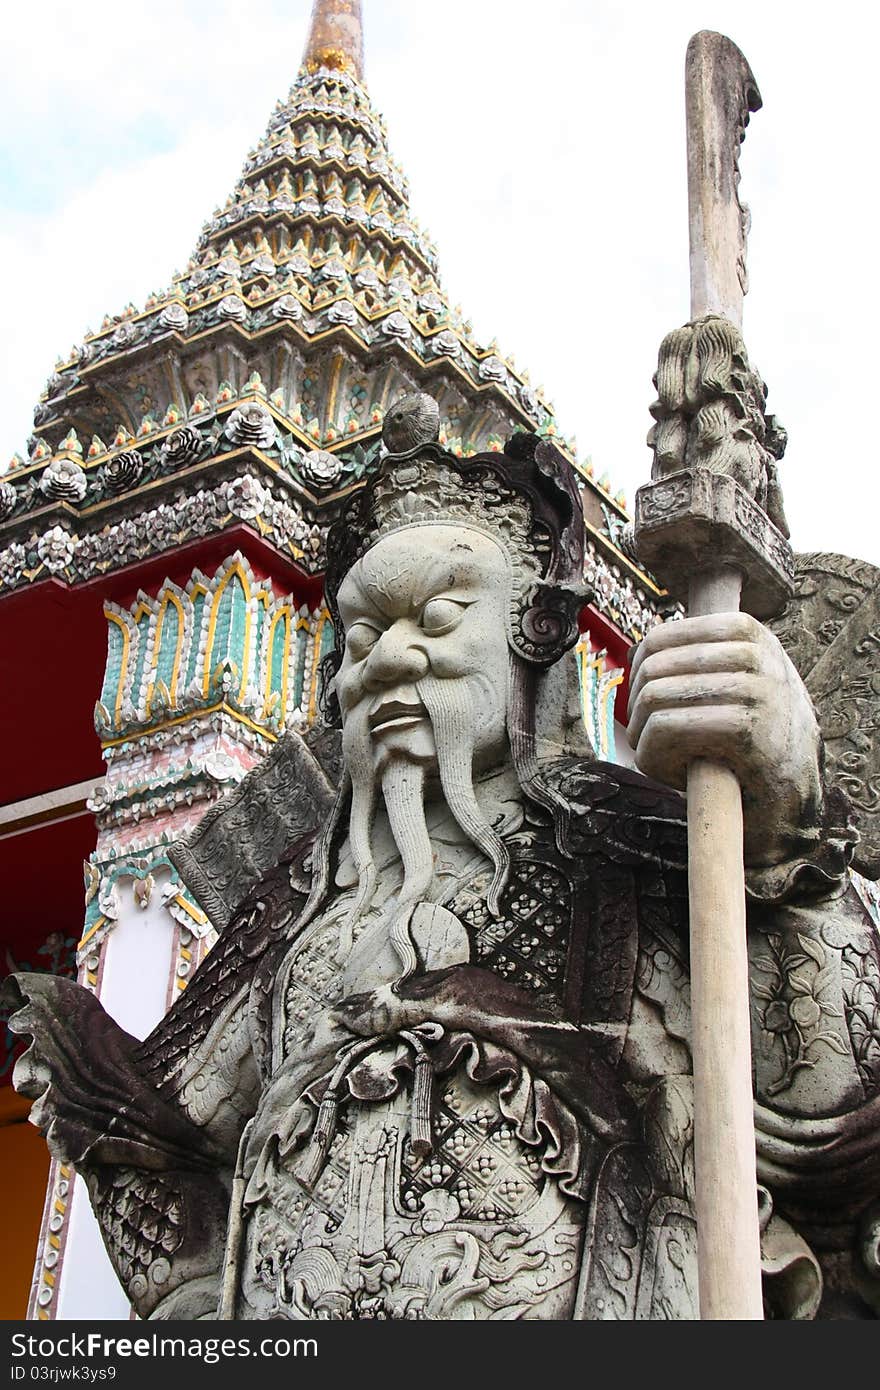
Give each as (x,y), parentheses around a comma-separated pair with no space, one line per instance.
(421,1137)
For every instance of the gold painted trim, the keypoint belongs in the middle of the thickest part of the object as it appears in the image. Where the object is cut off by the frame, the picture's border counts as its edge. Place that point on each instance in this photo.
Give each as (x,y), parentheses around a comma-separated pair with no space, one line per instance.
(123,668)
(316,657)
(285,613)
(167,598)
(297,161)
(212,624)
(101,922)
(335,374)
(612,685)
(619,555)
(221,706)
(195,913)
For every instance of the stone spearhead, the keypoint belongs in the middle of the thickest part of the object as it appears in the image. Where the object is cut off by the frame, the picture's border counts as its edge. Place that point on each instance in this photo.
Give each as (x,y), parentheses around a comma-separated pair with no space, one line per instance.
(720,93)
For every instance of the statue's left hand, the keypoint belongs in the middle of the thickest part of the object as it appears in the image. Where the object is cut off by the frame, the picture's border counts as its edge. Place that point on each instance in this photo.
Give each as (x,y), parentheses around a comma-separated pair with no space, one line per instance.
(383,1011)
(722,687)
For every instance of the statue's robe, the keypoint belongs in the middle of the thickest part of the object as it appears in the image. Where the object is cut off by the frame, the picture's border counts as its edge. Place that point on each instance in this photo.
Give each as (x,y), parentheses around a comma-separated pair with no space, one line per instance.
(507,1134)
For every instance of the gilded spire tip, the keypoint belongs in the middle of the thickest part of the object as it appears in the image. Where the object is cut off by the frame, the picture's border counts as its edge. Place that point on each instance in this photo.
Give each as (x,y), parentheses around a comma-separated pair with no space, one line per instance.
(336,38)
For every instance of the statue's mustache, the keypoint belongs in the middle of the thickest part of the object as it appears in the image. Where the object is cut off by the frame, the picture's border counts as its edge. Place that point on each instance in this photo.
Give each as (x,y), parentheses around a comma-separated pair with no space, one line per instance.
(408,701)
(385,709)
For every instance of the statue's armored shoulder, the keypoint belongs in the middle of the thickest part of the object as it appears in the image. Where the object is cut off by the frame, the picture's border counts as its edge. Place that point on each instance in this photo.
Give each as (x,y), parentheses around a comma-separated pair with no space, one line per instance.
(256,824)
(613,812)
(258,928)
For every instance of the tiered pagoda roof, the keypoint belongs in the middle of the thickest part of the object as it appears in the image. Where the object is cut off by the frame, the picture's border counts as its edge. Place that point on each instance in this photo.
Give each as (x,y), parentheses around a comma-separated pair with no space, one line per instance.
(253,389)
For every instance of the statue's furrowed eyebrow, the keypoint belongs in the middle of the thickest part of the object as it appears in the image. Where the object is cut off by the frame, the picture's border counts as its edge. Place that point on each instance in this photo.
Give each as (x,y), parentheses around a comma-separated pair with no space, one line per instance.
(426,577)
(357,602)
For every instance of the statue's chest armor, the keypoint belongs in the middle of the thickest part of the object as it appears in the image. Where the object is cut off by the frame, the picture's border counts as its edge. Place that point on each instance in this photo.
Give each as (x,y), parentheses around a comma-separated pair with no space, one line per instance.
(528,944)
(473,1229)
(310,983)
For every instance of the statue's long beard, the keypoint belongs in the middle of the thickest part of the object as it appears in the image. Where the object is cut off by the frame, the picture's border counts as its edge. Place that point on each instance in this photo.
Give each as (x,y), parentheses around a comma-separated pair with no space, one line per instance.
(450,706)
(358,756)
(403,787)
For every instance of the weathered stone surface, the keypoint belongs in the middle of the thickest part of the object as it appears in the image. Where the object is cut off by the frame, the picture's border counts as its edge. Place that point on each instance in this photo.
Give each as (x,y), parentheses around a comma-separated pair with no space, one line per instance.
(711,413)
(438,1063)
(831,630)
(240,839)
(720,94)
(697,520)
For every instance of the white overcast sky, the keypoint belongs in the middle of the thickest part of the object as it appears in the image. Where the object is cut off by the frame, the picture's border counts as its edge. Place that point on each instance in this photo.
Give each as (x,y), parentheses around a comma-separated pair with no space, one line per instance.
(544,143)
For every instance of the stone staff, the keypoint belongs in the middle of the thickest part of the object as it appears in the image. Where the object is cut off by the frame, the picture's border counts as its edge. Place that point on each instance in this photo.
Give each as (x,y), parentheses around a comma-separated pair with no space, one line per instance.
(710,526)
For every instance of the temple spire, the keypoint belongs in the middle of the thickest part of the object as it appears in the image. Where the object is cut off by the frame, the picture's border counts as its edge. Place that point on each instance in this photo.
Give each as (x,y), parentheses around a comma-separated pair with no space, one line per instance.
(336,38)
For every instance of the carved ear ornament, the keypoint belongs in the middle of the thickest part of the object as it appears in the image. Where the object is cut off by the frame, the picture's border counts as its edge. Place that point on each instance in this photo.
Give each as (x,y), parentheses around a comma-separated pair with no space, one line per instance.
(547,626)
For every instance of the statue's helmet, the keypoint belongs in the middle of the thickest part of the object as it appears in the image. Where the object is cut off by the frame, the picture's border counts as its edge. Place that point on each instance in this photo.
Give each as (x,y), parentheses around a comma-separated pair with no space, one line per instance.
(525,498)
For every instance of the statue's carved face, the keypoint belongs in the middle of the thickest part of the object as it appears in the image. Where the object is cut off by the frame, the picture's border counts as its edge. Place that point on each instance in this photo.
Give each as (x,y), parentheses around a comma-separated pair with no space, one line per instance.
(424,607)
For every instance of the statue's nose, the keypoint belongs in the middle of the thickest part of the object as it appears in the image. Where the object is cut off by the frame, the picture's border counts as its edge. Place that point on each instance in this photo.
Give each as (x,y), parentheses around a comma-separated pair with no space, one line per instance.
(397,657)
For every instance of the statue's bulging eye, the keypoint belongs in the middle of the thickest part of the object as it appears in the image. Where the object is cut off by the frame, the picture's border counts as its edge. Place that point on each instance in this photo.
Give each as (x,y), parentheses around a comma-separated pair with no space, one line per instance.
(440,615)
(360,638)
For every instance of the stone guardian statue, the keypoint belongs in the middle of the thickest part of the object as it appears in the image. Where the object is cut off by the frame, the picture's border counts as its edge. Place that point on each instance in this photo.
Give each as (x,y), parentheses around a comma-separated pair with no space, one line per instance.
(438,1063)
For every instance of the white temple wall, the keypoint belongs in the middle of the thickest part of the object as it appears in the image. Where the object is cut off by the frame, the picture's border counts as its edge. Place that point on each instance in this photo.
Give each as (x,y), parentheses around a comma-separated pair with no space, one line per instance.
(623,752)
(137,967)
(88,1289)
(134,988)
